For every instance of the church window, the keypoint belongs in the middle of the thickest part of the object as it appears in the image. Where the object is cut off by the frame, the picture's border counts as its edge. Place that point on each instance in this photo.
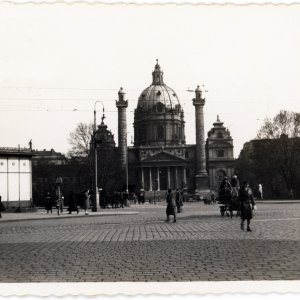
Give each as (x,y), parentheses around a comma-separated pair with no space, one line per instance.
(220,135)
(160,132)
(160,107)
(158,93)
(187,154)
(220,153)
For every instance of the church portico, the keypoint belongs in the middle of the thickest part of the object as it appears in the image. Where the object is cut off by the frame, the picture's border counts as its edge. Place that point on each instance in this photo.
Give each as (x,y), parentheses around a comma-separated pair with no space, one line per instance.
(161,178)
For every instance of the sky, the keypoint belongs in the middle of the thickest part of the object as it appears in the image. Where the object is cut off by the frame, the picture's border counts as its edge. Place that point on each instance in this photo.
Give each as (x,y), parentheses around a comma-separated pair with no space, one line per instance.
(56,61)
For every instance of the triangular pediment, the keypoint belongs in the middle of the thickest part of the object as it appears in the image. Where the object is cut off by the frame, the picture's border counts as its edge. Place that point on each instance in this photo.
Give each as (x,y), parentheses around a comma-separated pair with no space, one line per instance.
(163,157)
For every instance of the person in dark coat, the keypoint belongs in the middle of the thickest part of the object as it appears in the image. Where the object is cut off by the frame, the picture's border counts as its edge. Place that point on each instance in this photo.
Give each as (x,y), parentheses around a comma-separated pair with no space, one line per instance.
(225,191)
(86,203)
(72,203)
(2,208)
(247,205)
(235,184)
(171,207)
(48,203)
(141,197)
(179,203)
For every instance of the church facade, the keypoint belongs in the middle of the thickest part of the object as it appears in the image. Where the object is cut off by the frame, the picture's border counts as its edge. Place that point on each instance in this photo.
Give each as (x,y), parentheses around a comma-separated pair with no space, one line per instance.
(160,158)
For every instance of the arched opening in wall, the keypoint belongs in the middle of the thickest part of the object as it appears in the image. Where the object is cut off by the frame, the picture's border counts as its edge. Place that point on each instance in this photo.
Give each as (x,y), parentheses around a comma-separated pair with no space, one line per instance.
(220,153)
(160,132)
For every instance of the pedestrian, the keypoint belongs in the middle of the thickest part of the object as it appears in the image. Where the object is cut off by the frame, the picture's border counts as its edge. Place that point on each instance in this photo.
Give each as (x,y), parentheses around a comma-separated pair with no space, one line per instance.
(86,203)
(247,205)
(225,191)
(260,192)
(179,203)
(133,196)
(72,203)
(103,199)
(142,195)
(2,208)
(125,197)
(171,208)
(48,203)
(212,197)
(58,204)
(235,202)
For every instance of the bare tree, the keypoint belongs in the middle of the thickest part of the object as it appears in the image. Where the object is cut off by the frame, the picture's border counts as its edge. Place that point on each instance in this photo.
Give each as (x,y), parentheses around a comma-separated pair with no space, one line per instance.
(285,123)
(80,139)
(283,151)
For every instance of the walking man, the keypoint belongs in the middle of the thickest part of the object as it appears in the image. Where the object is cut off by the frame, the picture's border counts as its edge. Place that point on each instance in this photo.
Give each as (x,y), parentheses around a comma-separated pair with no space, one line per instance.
(72,203)
(48,203)
(260,192)
(171,208)
(86,203)
(247,205)
(178,201)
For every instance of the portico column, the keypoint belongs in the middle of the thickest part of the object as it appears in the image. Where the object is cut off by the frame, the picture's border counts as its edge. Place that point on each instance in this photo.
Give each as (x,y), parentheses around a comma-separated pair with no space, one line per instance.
(176,177)
(184,175)
(150,179)
(169,181)
(158,181)
(143,183)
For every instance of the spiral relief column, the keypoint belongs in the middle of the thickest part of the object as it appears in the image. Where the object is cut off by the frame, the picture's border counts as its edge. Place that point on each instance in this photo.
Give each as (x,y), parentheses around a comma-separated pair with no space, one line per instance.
(201,178)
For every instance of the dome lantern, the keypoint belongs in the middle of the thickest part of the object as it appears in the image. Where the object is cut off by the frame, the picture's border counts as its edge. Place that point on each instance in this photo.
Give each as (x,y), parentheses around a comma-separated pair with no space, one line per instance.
(157,75)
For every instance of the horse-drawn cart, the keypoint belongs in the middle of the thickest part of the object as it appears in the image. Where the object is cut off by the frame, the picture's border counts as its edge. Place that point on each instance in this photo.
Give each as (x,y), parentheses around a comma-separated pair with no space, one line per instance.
(229,202)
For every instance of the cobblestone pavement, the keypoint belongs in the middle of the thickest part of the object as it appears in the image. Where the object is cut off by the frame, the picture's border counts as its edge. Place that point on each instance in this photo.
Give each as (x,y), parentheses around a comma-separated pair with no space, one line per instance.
(201,245)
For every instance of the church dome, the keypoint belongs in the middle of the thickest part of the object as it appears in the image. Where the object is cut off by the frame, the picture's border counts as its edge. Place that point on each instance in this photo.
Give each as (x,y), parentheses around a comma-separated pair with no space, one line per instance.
(158,95)
(158,118)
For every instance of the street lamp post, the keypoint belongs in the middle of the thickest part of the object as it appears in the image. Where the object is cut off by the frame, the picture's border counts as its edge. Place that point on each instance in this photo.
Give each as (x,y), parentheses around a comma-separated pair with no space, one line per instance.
(96,204)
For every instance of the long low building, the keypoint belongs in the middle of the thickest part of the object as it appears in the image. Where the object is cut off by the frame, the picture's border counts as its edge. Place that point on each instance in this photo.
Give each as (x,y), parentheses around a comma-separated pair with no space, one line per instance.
(16,177)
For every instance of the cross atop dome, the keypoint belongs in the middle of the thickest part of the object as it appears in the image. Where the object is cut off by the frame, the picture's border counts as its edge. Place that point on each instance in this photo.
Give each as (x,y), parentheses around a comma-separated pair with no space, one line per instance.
(157,75)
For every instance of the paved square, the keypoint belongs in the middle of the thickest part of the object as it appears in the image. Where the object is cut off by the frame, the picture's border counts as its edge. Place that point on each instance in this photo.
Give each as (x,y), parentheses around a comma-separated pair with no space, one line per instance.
(202,245)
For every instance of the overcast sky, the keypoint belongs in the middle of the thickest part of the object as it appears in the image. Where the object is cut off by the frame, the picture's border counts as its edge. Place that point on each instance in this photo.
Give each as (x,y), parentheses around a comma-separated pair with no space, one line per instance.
(57,60)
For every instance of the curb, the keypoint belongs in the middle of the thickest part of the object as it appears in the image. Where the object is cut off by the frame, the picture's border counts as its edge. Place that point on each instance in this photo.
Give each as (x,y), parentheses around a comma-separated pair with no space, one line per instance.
(278,201)
(59,217)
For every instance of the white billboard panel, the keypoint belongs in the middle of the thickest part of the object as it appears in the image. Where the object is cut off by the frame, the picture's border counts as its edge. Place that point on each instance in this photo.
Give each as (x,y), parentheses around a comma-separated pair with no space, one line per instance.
(3,186)
(3,165)
(24,165)
(13,165)
(13,186)
(25,186)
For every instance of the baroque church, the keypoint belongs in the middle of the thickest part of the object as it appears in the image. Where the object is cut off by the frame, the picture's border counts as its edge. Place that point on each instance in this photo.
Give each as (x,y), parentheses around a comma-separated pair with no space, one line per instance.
(160,158)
